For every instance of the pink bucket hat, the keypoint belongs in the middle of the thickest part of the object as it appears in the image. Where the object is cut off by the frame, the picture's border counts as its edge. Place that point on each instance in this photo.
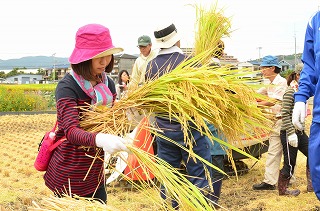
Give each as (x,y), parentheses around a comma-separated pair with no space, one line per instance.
(92,41)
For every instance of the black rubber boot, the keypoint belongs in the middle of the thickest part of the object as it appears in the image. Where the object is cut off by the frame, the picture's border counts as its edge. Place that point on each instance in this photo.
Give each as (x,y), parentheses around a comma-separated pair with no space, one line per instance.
(309,181)
(217,190)
(283,182)
(213,196)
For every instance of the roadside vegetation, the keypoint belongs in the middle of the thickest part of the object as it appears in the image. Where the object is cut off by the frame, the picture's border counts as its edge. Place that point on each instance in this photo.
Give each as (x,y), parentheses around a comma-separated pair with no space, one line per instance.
(27,97)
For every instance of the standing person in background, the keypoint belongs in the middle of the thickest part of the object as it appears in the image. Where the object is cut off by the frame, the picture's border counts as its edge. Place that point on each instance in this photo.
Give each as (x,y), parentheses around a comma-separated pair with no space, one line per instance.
(291,140)
(87,83)
(218,152)
(169,57)
(123,81)
(276,86)
(140,65)
(217,54)
(139,71)
(309,86)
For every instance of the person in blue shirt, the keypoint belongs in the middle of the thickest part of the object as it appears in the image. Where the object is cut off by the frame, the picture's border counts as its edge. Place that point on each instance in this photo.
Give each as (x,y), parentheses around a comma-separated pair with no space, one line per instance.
(218,154)
(309,86)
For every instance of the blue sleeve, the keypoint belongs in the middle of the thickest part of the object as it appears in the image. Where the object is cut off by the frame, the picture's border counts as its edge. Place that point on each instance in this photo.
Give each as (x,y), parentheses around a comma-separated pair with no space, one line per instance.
(308,75)
(215,147)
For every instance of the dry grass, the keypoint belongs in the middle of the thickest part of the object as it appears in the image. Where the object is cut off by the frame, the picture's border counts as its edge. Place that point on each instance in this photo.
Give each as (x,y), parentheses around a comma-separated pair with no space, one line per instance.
(21,184)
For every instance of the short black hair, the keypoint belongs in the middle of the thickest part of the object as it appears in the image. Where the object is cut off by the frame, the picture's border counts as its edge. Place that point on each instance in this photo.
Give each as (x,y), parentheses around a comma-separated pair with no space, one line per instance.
(277,69)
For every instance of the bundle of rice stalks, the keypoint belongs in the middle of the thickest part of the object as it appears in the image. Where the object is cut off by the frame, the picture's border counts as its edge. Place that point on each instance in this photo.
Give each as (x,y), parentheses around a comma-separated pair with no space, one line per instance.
(211,27)
(190,94)
(74,203)
(193,94)
(177,185)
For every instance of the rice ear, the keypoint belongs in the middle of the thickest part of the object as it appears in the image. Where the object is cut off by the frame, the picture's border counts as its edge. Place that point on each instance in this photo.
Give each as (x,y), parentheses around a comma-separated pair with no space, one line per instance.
(189,94)
(211,27)
(70,203)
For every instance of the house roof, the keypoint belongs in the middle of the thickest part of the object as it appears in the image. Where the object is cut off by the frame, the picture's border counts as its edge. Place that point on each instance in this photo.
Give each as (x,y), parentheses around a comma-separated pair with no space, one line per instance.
(255,62)
(287,62)
(245,64)
(24,74)
(62,66)
(125,56)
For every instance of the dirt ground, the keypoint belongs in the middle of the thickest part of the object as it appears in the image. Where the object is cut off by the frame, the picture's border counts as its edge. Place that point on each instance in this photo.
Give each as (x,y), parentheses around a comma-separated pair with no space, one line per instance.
(21,184)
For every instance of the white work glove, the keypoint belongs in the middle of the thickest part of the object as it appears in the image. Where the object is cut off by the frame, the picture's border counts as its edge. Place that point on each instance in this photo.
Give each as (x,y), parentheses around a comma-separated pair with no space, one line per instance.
(111,143)
(129,137)
(293,140)
(299,115)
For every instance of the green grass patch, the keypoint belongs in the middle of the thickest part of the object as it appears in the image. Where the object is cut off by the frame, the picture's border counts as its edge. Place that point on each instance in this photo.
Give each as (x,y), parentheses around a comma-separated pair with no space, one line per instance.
(27,97)
(30,87)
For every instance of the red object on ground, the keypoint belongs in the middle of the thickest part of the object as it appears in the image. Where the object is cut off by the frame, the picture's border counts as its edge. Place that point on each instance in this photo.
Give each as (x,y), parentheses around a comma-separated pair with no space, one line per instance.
(308,112)
(142,140)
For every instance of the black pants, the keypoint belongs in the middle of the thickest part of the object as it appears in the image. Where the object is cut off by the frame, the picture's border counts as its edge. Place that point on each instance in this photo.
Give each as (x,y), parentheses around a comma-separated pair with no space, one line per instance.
(101,195)
(290,152)
(217,160)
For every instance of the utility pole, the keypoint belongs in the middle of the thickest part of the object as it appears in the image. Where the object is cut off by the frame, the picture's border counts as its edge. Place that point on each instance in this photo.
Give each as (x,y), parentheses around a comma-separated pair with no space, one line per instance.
(54,67)
(259,49)
(295,51)
(295,47)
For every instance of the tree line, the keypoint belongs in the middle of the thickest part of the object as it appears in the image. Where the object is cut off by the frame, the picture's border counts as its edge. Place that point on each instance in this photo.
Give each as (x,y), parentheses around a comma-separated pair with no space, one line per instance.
(18,71)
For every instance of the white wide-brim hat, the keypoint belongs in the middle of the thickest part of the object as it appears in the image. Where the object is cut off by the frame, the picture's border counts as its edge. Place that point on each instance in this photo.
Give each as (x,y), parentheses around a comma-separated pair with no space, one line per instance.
(166,37)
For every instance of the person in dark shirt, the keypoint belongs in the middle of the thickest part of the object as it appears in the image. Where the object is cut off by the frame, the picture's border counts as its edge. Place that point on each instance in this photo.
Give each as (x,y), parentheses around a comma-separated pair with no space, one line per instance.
(292,140)
(169,57)
(72,168)
(123,81)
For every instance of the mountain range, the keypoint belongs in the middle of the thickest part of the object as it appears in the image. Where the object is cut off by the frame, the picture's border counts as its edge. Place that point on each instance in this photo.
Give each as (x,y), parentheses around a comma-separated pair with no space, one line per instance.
(33,62)
(36,62)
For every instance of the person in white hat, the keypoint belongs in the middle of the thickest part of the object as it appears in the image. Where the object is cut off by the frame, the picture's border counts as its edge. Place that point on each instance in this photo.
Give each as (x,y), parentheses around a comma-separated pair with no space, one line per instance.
(292,140)
(169,56)
(168,41)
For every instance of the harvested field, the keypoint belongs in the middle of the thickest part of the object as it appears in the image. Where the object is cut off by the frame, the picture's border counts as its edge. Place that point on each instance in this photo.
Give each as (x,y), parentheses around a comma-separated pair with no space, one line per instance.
(21,183)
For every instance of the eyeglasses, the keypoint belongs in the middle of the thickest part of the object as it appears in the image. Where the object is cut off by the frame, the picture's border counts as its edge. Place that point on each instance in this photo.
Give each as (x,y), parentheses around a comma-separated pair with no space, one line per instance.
(264,68)
(142,47)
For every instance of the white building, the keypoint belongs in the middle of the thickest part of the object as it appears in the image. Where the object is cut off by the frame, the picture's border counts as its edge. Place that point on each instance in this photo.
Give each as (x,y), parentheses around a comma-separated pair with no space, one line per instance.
(24,79)
(248,67)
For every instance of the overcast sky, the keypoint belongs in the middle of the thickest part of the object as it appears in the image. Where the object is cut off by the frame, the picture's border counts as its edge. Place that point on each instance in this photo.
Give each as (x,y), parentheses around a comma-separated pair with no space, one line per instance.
(45,27)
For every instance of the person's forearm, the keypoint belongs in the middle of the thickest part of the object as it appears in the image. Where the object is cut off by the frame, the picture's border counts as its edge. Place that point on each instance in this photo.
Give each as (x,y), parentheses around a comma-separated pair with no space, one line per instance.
(265,103)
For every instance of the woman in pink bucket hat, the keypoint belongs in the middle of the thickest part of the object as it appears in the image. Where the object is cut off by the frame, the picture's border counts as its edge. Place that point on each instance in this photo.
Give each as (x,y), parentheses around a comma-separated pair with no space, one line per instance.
(87,83)
(92,41)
